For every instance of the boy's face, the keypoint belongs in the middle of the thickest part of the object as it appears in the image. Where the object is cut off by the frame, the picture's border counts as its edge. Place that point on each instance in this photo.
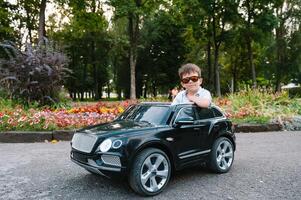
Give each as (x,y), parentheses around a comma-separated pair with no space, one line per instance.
(191,81)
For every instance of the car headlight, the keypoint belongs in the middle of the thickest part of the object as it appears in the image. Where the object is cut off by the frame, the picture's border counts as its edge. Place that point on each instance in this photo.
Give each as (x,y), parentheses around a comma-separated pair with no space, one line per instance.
(117,144)
(105,145)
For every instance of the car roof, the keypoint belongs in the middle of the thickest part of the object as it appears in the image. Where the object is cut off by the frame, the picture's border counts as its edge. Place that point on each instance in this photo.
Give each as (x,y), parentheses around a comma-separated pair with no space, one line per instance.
(177,105)
(156,103)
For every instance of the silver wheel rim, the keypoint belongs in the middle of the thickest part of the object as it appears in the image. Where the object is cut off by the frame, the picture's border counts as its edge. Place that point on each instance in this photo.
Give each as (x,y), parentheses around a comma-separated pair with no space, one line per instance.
(154,172)
(224,155)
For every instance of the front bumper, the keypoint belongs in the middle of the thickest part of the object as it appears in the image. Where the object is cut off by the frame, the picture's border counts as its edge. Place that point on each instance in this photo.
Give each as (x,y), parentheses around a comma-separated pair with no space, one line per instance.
(96,164)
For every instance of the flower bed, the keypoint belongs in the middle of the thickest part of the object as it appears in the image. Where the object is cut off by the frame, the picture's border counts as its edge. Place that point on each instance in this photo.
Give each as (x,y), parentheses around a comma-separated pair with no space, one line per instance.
(47,119)
(252,106)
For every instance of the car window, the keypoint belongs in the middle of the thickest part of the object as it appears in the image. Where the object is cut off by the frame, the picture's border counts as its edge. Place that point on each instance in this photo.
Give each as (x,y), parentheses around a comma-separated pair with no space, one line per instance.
(205,113)
(127,112)
(217,113)
(186,112)
(152,114)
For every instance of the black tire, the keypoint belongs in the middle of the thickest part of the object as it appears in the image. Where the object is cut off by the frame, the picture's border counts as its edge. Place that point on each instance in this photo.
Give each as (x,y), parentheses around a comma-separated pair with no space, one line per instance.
(141,166)
(223,151)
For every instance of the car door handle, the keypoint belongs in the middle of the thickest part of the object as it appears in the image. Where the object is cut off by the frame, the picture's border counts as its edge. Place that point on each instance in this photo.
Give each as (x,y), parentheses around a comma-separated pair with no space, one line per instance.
(196,129)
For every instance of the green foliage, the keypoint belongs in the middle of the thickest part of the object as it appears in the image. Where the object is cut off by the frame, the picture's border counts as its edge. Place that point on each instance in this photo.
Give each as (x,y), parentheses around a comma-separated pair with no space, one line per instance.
(185,30)
(6,31)
(252,120)
(87,44)
(162,55)
(259,106)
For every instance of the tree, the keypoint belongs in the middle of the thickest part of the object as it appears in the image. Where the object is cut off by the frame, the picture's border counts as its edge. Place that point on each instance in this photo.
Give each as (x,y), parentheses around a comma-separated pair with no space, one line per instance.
(208,23)
(162,53)
(6,31)
(87,43)
(119,57)
(134,11)
(28,16)
(257,20)
(288,16)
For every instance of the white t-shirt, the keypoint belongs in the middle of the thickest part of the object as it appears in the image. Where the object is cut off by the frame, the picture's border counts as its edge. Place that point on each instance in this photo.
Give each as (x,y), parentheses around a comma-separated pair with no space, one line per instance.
(181,97)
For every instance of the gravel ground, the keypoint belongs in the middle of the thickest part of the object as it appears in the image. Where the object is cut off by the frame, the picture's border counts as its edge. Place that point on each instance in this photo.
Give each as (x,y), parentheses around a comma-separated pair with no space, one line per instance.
(266,166)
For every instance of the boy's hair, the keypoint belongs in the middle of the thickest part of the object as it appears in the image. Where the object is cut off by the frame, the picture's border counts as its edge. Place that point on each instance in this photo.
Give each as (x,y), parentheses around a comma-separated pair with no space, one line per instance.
(189,68)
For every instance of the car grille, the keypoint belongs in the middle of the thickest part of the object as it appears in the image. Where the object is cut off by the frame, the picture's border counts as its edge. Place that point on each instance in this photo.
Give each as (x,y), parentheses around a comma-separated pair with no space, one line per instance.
(83,142)
(79,157)
(111,160)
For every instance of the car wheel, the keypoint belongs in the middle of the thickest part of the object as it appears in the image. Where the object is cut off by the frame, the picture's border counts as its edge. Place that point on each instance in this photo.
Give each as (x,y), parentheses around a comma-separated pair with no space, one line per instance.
(150,172)
(221,155)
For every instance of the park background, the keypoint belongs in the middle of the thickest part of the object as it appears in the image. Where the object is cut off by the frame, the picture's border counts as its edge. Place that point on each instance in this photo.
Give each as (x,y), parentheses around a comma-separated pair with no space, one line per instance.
(66,64)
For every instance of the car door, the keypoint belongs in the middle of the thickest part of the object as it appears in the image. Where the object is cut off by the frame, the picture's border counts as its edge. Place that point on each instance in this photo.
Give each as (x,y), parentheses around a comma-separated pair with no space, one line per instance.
(187,136)
(205,117)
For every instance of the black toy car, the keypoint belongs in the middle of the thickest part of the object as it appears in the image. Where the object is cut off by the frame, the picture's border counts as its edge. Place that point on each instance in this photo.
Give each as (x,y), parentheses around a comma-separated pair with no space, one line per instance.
(150,140)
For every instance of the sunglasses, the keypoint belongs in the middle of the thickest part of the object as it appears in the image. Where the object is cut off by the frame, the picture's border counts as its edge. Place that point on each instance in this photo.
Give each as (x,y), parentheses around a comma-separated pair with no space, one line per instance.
(192,78)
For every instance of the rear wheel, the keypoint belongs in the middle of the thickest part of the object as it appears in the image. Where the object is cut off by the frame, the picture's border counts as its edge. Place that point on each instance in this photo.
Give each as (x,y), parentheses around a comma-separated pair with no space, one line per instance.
(221,155)
(150,172)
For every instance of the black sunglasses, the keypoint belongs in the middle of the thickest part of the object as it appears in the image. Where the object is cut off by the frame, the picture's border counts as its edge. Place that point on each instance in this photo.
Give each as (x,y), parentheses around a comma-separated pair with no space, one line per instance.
(193,78)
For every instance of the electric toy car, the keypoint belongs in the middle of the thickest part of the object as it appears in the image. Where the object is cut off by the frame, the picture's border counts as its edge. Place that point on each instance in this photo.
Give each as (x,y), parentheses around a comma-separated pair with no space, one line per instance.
(151,140)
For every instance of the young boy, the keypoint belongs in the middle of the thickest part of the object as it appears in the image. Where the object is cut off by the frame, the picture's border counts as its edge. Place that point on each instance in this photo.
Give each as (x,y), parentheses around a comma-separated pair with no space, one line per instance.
(190,75)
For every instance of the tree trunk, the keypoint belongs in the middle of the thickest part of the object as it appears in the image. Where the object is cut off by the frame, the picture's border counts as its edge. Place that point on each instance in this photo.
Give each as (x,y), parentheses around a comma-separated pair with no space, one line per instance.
(100,91)
(28,27)
(93,60)
(95,71)
(250,59)
(82,95)
(210,74)
(216,72)
(236,62)
(209,63)
(281,50)
(108,90)
(42,32)
(133,35)
(84,77)
(133,74)
(154,90)
(216,54)
(145,91)
(249,44)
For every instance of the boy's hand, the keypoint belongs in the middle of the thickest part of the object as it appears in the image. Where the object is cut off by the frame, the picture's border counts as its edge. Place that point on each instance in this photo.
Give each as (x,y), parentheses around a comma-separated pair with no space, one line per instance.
(192,98)
(201,102)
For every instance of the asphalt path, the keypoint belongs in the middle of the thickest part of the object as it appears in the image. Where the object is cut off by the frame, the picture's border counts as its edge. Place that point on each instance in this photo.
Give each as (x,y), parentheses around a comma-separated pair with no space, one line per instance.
(266,166)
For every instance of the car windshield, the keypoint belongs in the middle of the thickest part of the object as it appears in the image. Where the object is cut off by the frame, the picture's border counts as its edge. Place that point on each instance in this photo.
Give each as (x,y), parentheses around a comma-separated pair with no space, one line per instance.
(153,114)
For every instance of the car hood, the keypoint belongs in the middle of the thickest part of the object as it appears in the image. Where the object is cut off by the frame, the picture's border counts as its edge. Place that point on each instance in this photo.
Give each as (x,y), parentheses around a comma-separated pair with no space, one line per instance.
(117,127)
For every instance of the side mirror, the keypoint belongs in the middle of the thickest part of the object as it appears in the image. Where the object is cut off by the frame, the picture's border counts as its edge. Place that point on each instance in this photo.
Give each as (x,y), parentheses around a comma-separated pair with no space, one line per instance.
(184,121)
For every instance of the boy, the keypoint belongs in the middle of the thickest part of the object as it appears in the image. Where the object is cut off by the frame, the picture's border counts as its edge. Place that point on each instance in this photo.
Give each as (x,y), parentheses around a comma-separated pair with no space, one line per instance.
(190,75)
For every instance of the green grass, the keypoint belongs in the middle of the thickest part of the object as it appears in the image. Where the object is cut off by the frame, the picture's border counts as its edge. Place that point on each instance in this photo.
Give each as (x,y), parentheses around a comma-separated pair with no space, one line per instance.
(252,120)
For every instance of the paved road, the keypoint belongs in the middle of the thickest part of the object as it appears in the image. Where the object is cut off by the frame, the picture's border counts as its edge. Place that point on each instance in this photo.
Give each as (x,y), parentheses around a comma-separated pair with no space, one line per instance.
(266,166)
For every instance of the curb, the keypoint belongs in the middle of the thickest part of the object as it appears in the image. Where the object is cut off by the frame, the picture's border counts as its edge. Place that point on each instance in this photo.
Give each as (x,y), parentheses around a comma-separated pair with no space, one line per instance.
(32,136)
(250,128)
(66,135)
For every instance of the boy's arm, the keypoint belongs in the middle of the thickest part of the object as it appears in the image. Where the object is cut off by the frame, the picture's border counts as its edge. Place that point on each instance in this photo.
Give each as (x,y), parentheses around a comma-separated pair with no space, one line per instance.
(204,101)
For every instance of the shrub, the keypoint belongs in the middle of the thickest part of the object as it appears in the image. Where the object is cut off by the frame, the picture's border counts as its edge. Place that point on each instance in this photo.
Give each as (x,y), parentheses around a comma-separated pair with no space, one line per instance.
(259,107)
(33,75)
